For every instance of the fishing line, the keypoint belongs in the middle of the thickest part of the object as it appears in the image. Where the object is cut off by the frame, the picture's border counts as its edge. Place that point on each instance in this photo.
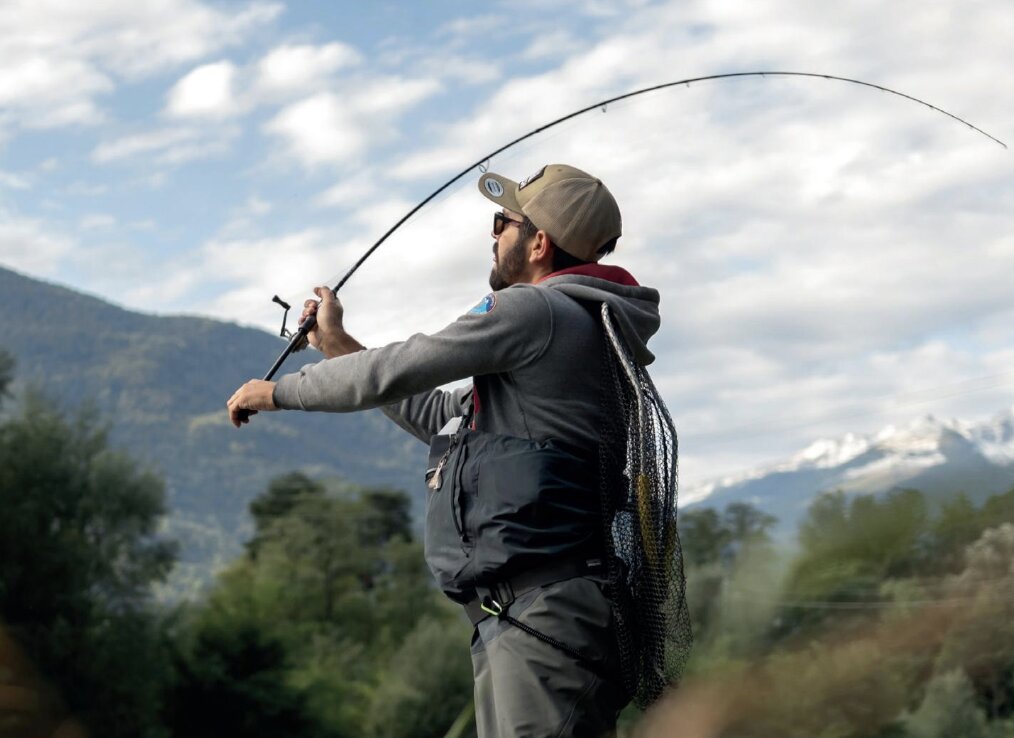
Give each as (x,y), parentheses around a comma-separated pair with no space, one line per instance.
(298,339)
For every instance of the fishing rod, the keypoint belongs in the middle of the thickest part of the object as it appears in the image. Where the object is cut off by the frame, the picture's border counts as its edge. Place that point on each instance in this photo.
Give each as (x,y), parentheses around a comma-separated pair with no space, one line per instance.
(298,339)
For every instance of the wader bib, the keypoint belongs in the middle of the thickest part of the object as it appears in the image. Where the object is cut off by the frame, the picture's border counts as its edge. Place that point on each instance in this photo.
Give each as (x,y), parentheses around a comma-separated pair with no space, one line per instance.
(499,507)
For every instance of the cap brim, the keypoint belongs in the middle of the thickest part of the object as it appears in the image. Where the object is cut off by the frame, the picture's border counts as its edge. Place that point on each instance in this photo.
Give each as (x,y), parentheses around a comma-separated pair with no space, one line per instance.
(500,190)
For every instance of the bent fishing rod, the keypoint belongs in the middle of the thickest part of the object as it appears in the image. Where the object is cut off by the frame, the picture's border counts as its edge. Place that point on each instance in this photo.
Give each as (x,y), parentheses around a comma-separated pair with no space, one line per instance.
(298,339)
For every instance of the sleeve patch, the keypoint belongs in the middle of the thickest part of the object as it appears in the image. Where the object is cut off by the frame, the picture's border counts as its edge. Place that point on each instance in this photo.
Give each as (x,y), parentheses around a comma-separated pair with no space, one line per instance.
(486,305)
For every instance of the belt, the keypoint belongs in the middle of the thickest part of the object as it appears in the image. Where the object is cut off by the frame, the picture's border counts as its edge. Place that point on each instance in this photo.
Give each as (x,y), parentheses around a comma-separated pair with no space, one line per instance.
(494,599)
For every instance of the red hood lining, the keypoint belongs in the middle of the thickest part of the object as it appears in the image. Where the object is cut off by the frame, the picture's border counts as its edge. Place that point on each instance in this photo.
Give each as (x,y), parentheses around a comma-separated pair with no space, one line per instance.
(615,274)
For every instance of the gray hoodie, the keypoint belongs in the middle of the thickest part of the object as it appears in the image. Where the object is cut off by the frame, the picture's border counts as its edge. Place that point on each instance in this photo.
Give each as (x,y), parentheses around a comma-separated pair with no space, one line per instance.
(534,353)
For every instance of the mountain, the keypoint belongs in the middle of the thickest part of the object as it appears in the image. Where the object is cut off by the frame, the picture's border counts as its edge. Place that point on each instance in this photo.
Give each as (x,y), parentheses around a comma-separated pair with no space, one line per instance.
(937,457)
(161,383)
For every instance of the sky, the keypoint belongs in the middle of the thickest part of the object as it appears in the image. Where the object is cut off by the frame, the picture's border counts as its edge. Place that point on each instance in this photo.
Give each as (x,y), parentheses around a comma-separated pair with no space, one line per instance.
(830,258)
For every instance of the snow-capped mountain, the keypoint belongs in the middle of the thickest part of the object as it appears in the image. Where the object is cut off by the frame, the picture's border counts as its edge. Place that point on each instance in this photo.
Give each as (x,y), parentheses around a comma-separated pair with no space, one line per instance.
(937,457)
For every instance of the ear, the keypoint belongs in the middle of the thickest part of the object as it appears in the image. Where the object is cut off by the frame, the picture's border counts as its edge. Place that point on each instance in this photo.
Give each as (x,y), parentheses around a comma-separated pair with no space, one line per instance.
(542,249)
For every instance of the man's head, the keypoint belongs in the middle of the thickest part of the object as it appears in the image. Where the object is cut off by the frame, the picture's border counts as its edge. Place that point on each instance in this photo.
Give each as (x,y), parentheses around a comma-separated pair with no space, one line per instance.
(560,208)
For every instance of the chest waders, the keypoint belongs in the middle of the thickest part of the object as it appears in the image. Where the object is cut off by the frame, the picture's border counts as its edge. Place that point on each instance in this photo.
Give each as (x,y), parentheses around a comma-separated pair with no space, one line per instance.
(506,515)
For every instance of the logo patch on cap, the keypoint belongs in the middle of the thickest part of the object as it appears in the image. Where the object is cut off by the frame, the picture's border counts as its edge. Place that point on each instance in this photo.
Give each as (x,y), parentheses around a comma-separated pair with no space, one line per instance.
(493,187)
(528,180)
(486,306)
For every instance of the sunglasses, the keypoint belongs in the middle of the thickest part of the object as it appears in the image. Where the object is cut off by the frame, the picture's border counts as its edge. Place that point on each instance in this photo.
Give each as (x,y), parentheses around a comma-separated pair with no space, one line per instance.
(501,221)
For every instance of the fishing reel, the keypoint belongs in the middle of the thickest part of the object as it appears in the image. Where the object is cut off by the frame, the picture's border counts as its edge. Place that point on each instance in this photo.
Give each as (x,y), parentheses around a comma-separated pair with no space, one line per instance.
(284,332)
(297,341)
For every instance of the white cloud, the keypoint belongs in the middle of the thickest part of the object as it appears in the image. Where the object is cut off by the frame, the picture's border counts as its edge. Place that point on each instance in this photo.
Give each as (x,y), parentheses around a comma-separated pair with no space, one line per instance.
(205,92)
(386,96)
(348,193)
(468,28)
(294,69)
(556,44)
(257,268)
(332,128)
(319,130)
(128,146)
(96,221)
(51,91)
(28,245)
(57,59)
(14,181)
(166,146)
(222,89)
(245,219)
(85,189)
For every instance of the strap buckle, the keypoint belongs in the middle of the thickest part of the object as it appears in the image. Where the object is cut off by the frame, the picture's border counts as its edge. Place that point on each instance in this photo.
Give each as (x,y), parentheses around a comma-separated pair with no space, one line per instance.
(494,599)
(491,606)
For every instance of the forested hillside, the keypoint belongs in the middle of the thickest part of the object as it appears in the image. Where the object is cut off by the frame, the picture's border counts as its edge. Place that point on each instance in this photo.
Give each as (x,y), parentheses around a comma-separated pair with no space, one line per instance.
(161,384)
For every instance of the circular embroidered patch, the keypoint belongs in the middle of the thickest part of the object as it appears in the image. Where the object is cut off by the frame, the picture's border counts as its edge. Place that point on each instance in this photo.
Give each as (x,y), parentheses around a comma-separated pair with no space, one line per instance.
(486,306)
(493,187)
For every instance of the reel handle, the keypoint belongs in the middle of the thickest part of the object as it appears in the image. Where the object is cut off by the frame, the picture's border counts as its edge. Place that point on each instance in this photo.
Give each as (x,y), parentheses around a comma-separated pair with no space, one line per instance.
(297,338)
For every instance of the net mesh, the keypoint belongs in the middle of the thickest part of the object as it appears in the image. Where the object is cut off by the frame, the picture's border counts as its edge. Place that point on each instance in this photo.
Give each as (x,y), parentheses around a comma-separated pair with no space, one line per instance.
(639,475)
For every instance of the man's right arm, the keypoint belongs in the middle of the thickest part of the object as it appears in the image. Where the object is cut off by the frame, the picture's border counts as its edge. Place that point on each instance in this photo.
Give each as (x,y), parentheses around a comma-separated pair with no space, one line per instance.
(423,414)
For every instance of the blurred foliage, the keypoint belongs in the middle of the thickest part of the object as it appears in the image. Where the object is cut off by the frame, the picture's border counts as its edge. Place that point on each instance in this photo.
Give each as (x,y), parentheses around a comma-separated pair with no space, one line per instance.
(892,617)
(78,557)
(981,642)
(344,628)
(948,708)
(728,555)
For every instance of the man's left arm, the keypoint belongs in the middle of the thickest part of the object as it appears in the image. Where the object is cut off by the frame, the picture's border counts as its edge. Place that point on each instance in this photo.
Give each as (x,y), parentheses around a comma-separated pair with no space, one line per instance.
(423,415)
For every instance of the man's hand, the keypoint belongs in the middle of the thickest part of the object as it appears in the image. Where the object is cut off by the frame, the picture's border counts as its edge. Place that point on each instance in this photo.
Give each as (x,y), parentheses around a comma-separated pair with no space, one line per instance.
(328,336)
(247,400)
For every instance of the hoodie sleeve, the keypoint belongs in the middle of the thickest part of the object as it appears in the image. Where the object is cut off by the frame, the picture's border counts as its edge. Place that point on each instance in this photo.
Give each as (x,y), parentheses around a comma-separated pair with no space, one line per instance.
(423,415)
(507,330)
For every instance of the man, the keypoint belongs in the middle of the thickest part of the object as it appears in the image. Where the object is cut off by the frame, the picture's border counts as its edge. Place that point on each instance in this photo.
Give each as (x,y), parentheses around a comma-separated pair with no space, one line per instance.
(514,529)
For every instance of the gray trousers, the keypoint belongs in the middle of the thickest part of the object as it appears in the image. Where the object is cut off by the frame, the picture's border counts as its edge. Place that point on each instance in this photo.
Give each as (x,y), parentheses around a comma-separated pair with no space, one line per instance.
(527,688)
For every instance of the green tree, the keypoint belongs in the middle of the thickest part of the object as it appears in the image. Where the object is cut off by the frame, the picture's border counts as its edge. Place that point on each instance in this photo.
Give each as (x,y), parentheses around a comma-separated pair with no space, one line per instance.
(6,372)
(78,557)
(730,563)
(997,509)
(703,537)
(425,685)
(707,536)
(747,525)
(389,516)
(849,548)
(948,709)
(282,495)
(231,680)
(337,579)
(958,524)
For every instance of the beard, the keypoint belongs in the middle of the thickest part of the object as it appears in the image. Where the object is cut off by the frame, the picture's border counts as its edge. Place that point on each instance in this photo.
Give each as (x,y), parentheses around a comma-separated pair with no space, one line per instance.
(508,270)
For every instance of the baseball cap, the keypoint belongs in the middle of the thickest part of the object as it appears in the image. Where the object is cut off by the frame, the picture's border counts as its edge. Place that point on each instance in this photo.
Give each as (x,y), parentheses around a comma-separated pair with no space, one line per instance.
(573,207)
